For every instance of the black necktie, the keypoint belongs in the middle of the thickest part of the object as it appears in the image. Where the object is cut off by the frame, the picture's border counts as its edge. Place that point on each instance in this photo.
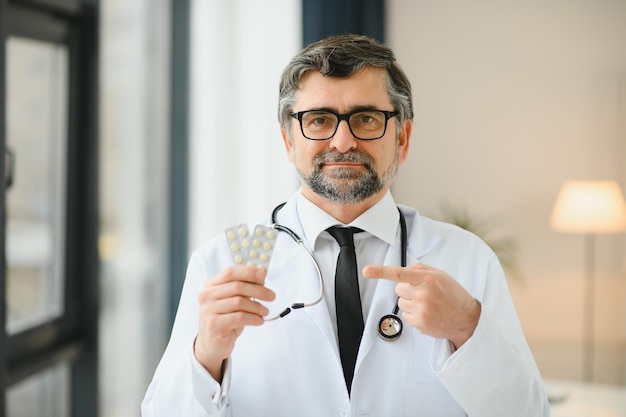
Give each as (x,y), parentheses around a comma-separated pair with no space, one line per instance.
(347,300)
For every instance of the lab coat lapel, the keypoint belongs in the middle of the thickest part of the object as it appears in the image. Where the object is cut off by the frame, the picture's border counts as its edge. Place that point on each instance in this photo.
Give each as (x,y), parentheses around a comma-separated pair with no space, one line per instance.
(292,274)
(420,241)
(382,304)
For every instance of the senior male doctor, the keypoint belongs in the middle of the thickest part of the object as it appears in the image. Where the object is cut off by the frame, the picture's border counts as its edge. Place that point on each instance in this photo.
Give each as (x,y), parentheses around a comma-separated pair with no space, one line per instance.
(345,112)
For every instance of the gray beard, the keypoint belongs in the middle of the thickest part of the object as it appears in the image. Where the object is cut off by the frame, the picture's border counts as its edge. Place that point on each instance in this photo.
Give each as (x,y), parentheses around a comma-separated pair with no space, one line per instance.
(347,185)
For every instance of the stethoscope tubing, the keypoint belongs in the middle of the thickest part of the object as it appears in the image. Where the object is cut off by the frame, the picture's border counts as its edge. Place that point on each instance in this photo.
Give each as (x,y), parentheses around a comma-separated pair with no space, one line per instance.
(390,319)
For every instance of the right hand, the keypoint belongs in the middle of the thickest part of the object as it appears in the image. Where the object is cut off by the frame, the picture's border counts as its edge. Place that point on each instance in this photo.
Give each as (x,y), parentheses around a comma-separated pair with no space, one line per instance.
(227,305)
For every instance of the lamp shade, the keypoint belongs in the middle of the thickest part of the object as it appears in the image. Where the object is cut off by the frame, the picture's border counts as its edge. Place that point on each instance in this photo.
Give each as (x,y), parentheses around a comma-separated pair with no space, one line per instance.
(589,207)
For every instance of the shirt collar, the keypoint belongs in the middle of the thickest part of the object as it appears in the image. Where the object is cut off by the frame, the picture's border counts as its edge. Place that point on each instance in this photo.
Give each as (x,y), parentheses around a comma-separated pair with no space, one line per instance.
(380,220)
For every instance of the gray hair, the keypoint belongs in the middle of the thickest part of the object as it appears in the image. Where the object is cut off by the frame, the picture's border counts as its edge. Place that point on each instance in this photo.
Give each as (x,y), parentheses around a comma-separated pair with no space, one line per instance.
(342,56)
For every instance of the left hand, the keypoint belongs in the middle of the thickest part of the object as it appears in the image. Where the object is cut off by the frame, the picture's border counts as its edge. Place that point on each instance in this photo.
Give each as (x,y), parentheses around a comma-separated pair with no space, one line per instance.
(431,301)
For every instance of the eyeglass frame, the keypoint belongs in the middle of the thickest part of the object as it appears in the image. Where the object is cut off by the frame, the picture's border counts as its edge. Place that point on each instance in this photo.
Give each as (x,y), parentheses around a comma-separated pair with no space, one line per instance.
(345,116)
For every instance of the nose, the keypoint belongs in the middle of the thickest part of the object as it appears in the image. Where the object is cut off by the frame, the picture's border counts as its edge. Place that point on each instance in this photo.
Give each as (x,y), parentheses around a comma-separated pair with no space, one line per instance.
(343,140)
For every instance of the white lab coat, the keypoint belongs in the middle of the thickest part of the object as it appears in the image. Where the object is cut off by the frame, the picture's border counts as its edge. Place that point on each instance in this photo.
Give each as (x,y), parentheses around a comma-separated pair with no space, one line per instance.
(291,367)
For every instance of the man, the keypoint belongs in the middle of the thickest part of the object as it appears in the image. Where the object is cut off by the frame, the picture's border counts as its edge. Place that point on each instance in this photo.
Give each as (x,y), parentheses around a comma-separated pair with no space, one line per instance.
(346,114)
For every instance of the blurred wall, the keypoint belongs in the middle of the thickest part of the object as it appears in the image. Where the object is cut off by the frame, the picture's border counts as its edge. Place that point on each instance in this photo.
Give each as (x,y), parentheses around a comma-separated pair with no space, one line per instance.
(511,100)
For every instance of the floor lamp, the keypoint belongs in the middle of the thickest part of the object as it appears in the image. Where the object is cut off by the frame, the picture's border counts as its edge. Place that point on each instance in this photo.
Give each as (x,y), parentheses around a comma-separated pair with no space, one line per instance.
(589,208)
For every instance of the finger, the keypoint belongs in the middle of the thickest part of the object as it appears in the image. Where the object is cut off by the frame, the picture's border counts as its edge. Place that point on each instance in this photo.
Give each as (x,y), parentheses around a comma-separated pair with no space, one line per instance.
(240,273)
(409,274)
(223,316)
(231,289)
(237,304)
(237,280)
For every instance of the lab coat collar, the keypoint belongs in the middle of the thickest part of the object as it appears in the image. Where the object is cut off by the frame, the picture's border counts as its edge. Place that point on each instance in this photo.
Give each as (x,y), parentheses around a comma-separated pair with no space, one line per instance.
(422,237)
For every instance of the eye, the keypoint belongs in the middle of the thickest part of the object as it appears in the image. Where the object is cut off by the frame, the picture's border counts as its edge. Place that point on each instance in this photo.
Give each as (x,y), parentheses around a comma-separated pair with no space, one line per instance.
(368,120)
(318,120)
(364,119)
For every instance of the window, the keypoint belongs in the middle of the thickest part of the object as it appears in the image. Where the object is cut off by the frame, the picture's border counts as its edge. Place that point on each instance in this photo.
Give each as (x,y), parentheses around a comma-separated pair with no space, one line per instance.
(36,103)
(49,276)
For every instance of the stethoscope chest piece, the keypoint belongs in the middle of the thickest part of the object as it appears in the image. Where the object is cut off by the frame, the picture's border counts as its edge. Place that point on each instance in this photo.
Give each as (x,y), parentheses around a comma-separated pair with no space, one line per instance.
(390,327)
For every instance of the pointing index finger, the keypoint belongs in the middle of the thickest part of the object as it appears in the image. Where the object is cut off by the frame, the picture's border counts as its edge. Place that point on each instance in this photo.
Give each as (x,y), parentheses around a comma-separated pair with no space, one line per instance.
(391,272)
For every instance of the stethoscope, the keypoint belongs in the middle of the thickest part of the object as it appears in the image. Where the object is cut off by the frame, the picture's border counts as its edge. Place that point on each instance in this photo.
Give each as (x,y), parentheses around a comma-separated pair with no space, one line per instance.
(389,325)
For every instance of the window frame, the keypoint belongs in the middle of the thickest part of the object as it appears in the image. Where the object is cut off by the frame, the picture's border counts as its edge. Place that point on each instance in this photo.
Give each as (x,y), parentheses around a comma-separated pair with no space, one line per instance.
(71,337)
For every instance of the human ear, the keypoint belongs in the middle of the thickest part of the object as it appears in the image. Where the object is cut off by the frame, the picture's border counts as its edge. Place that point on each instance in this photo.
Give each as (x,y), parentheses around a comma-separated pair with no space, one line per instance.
(404,139)
(288,141)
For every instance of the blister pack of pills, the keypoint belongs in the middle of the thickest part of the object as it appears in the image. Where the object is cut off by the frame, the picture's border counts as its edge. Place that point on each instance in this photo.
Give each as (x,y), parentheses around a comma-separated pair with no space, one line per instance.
(252,249)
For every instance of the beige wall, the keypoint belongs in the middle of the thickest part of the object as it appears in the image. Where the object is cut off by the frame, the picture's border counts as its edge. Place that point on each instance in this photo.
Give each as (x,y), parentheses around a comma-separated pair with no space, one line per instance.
(511,101)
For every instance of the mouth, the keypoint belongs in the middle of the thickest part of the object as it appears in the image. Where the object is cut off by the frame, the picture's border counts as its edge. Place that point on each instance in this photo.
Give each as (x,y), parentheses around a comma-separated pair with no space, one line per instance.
(344,169)
(343,164)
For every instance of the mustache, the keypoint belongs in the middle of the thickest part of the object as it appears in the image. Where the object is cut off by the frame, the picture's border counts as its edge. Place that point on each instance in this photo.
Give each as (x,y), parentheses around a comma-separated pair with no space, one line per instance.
(336,156)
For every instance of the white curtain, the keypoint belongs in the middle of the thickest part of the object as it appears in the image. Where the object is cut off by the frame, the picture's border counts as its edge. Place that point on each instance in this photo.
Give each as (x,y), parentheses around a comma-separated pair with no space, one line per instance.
(238,166)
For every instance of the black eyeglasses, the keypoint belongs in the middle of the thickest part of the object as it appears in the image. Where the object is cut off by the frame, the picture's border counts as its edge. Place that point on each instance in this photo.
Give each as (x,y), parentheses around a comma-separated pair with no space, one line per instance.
(323,124)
